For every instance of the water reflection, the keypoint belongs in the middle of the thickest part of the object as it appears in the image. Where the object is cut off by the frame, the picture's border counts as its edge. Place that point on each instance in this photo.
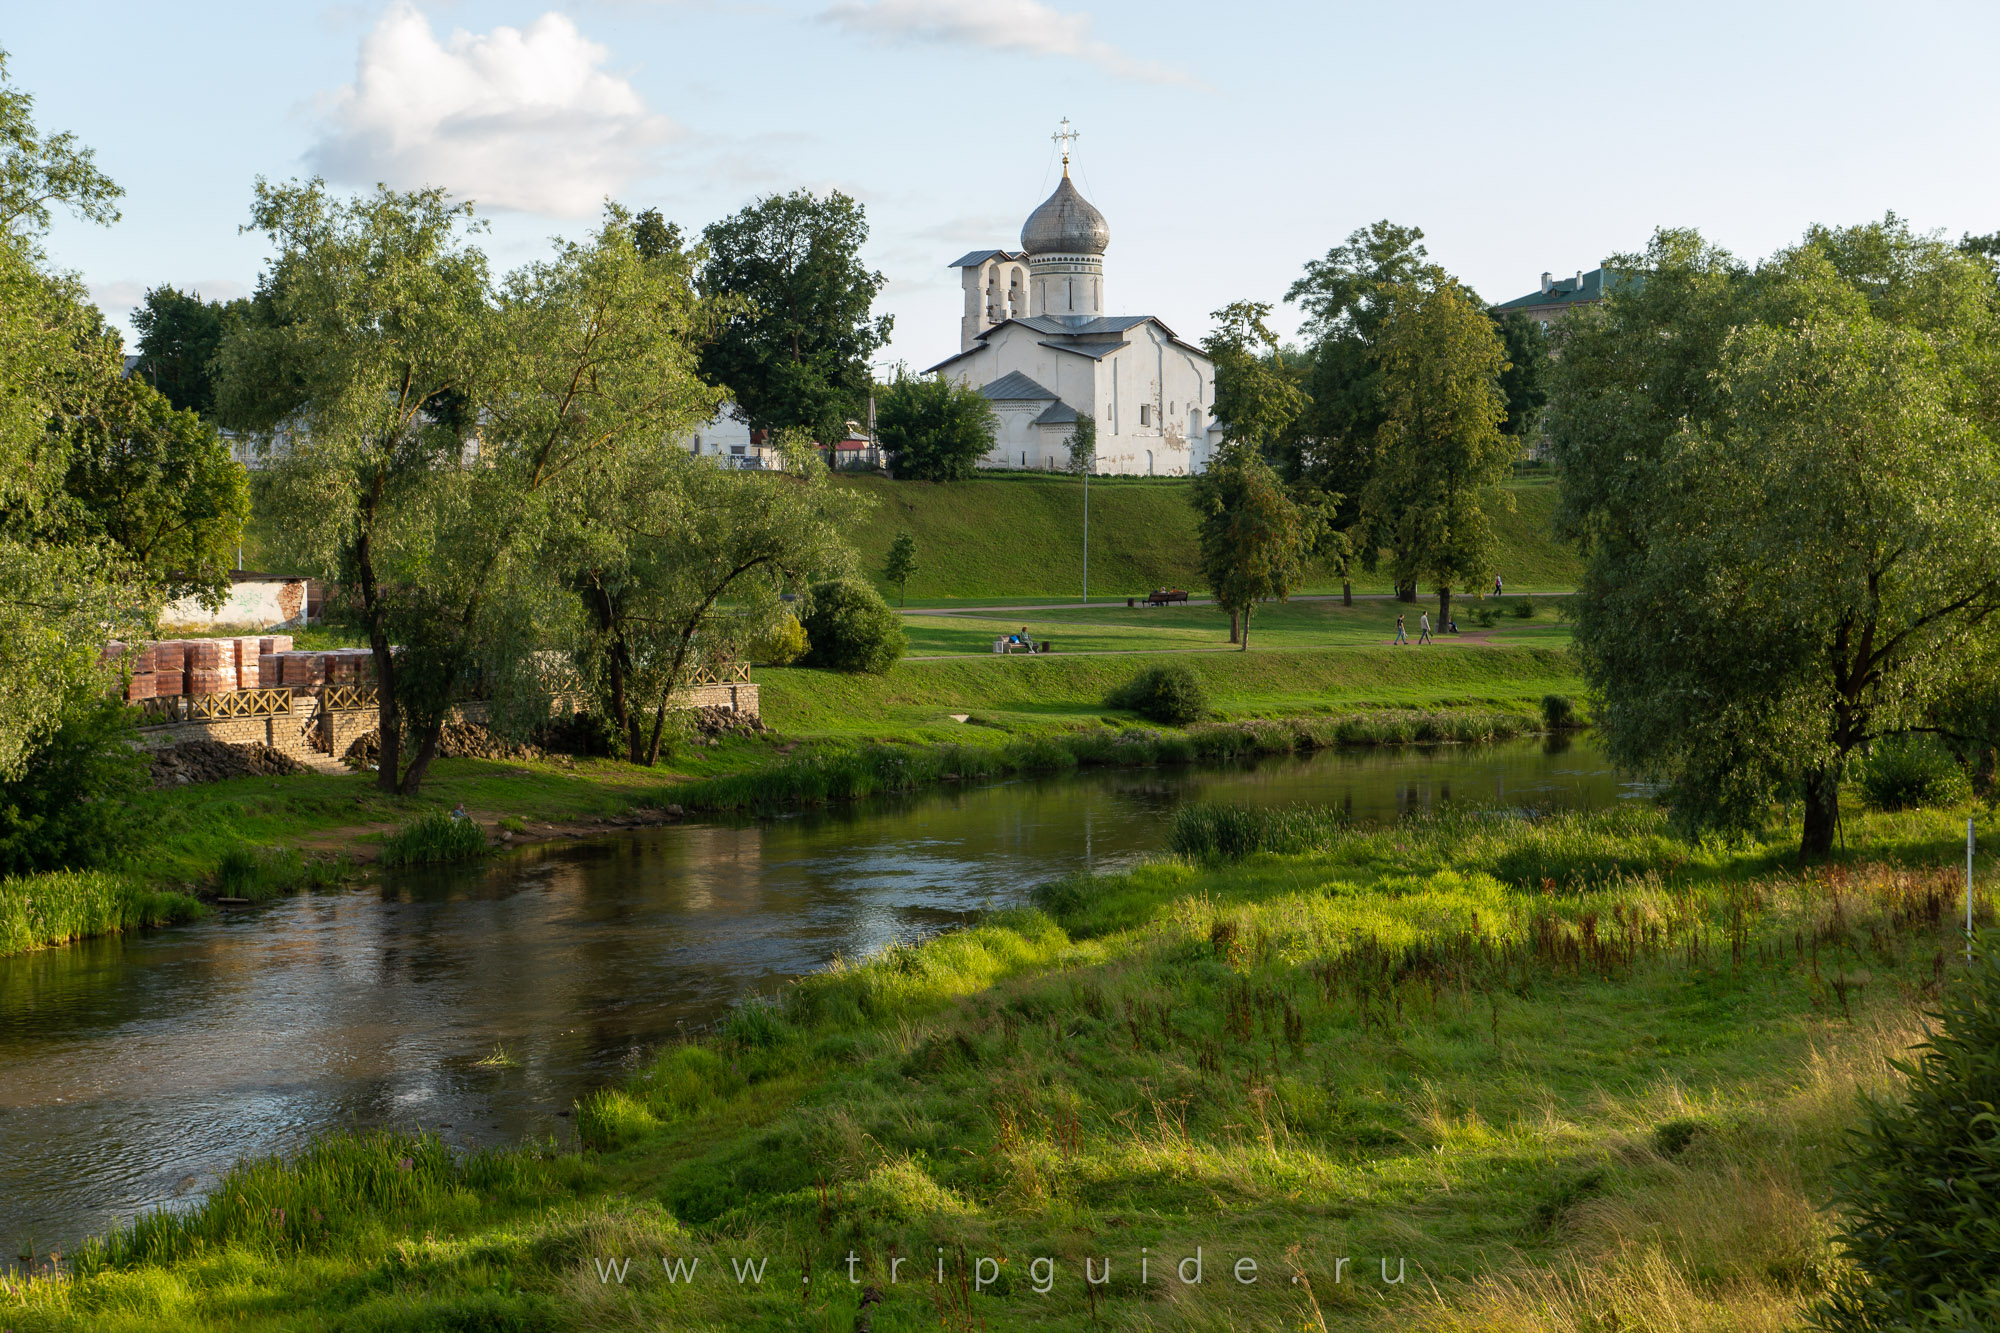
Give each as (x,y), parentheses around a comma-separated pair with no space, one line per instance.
(133,1071)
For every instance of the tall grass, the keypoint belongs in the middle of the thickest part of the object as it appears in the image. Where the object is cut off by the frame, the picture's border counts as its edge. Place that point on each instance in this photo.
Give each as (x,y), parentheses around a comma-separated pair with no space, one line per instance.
(1211,831)
(258,873)
(871,770)
(432,839)
(53,908)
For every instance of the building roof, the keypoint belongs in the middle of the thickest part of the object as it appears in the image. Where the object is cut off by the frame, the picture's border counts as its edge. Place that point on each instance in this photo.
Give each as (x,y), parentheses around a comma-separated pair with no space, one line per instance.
(1589,287)
(975,258)
(1016,387)
(1065,224)
(1057,413)
(1096,349)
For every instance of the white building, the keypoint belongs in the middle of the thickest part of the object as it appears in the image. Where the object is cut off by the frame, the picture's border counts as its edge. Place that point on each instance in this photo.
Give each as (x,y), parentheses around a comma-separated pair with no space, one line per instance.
(1036,341)
(729,440)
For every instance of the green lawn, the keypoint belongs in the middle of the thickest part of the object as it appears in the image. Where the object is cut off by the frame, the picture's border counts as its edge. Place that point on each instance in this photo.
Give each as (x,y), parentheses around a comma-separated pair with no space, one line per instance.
(1296,624)
(1560,1075)
(1020,537)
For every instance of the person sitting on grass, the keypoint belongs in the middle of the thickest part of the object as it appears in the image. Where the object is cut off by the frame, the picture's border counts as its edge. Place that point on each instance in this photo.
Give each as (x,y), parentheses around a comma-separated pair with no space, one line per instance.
(458,812)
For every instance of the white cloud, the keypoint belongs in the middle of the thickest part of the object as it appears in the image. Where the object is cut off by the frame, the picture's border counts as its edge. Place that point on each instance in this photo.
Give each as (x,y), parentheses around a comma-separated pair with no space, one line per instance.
(1027,27)
(517,118)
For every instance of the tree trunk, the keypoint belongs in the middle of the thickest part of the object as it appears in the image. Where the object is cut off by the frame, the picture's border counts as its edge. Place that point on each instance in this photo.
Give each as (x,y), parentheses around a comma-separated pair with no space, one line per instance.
(1406,592)
(1246,633)
(1235,624)
(388,721)
(413,779)
(1347,592)
(1444,608)
(1822,814)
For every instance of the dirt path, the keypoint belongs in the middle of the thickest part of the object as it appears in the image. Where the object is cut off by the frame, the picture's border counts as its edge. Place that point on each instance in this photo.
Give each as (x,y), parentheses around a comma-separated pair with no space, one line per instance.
(1468,638)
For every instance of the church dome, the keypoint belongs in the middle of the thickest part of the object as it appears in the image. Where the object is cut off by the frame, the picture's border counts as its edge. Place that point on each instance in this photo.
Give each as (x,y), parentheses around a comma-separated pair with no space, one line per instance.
(1065,224)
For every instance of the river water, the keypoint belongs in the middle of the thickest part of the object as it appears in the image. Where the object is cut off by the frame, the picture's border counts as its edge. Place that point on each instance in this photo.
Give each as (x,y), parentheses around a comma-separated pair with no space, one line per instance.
(134,1070)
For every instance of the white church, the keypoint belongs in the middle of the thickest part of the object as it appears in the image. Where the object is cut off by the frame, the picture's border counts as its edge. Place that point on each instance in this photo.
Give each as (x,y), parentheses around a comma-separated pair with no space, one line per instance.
(1036,341)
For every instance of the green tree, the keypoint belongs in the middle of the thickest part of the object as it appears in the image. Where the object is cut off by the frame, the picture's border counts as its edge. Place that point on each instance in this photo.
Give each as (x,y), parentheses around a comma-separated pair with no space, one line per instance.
(70,807)
(1788,489)
(1345,294)
(933,428)
(180,336)
(901,564)
(1255,393)
(1081,444)
(794,349)
(1254,541)
(1524,382)
(160,486)
(62,590)
(684,565)
(1439,442)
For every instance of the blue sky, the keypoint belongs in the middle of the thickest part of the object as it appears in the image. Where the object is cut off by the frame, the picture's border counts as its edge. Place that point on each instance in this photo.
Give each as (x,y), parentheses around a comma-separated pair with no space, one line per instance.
(1226,143)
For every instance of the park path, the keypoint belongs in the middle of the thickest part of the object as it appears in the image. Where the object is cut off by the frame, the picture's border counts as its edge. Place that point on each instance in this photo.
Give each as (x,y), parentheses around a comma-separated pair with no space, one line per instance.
(1471,638)
(1111,604)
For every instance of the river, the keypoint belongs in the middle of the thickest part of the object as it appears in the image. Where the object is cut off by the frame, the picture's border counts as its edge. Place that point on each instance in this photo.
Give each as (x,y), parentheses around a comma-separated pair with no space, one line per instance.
(135,1069)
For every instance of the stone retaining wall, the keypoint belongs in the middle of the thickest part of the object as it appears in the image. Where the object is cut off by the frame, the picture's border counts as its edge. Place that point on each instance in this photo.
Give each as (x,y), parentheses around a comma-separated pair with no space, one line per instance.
(310,729)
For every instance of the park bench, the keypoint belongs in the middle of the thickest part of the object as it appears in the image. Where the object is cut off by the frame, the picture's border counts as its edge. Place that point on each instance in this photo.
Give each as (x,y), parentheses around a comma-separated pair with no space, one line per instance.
(1162,596)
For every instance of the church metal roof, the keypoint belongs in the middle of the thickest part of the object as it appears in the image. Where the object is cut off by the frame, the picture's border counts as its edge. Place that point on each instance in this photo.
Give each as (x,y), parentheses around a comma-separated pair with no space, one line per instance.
(1016,387)
(1065,224)
(1096,350)
(1057,413)
(975,258)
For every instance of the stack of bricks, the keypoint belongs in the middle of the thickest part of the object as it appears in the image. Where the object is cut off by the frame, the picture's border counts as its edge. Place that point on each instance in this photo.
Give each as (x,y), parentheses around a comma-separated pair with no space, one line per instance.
(135,662)
(301,671)
(269,649)
(169,669)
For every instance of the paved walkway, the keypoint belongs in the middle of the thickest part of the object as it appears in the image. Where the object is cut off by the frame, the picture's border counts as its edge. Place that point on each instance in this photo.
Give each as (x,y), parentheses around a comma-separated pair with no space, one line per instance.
(1110,604)
(1471,638)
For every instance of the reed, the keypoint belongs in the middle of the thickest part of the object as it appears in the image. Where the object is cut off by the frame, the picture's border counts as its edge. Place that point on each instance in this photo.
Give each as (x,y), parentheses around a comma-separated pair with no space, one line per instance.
(433,839)
(258,873)
(37,911)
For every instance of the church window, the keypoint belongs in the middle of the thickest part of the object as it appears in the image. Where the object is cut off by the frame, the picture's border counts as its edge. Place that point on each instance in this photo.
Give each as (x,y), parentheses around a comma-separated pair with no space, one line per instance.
(697,444)
(1145,414)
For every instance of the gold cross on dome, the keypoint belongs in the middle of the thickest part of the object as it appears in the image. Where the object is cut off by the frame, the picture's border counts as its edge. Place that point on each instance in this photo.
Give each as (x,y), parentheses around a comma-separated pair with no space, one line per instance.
(1064,137)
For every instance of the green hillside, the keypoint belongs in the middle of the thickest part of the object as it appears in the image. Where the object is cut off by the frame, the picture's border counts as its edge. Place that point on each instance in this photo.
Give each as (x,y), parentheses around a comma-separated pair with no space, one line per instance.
(1021,537)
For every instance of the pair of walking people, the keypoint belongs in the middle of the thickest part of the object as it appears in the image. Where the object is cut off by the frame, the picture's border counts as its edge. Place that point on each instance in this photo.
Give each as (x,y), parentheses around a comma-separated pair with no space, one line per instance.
(1423,630)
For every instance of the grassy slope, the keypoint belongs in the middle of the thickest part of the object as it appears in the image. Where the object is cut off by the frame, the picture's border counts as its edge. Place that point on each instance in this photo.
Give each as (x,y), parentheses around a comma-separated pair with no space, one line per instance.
(1008,538)
(1610,1107)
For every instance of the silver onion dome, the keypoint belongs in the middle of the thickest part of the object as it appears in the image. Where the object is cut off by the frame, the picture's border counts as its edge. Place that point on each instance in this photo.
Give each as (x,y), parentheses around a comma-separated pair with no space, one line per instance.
(1065,224)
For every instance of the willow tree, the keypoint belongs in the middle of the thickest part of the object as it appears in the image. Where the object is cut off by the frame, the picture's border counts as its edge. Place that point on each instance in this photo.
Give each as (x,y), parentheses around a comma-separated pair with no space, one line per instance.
(1787,482)
(440,431)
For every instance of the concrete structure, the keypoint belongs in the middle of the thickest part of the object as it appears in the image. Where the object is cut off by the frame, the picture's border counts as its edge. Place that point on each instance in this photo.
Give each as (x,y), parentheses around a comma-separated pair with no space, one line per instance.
(256,601)
(1035,340)
(729,440)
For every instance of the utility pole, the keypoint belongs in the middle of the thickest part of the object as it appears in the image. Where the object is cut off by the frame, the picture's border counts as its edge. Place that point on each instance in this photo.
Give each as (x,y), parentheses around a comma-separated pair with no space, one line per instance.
(1086,534)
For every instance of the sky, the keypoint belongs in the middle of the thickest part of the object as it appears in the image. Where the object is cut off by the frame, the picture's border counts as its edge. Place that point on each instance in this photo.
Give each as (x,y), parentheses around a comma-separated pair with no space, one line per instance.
(1226,143)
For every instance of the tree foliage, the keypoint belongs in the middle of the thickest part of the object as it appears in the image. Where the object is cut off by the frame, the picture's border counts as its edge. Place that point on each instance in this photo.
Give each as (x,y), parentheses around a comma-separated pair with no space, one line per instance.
(180,337)
(850,628)
(795,343)
(1255,542)
(1439,442)
(682,565)
(1255,392)
(901,564)
(1920,1187)
(63,588)
(933,428)
(160,486)
(1787,485)
(70,807)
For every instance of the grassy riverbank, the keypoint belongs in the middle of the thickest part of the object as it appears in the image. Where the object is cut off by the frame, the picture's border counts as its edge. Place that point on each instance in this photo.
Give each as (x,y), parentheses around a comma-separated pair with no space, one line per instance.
(1566,1074)
(833,737)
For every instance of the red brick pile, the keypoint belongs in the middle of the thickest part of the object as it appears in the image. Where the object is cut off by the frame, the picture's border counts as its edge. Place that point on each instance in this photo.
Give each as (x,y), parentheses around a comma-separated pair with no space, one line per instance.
(176,667)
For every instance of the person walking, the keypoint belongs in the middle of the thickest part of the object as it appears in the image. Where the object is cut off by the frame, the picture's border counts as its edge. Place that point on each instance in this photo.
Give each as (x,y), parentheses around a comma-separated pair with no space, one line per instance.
(1401,638)
(1496,585)
(1424,628)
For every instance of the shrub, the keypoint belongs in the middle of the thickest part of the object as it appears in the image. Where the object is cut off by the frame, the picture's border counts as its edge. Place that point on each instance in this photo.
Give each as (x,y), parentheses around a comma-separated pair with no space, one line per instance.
(40,910)
(1920,1189)
(782,644)
(850,628)
(1171,694)
(1910,772)
(1484,615)
(434,838)
(1558,713)
(1524,607)
(70,807)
